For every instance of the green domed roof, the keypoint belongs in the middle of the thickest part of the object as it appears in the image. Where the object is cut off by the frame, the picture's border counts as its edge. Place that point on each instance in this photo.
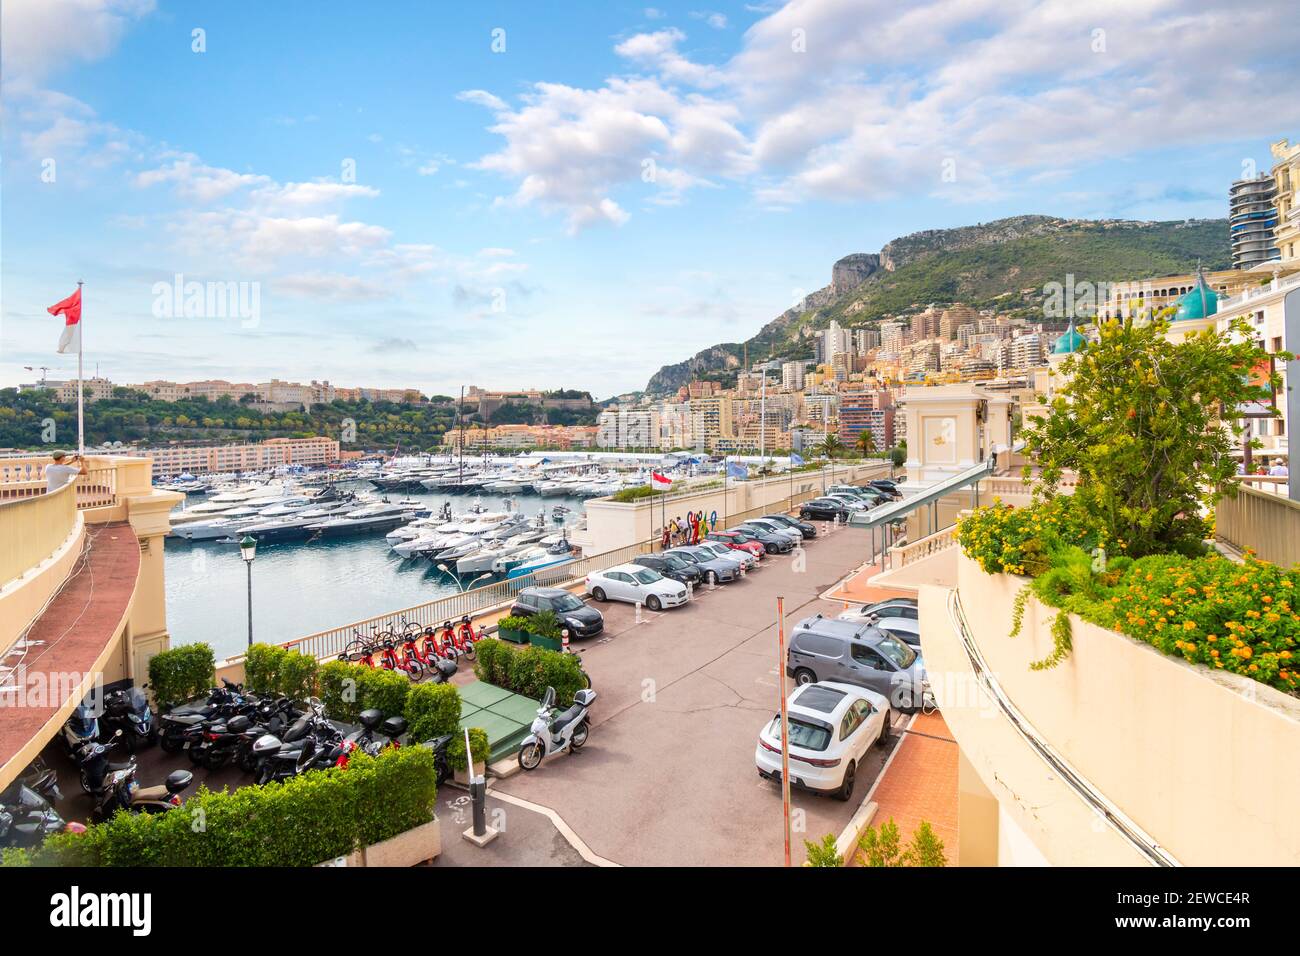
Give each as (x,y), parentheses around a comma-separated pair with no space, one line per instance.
(1071,341)
(1201,303)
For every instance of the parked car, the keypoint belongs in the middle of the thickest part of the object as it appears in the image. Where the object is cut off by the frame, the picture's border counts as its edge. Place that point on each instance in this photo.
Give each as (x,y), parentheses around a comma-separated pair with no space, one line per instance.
(868,496)
(631,582)
(887,485)
(824,509)
(793,535)
(672,566)
(892,607)
(852,502)
(832,728)
(737,541)
(858,653)
(773,542)
(714,568)
(803,527)
(746,559)
(580,618)
(905,629)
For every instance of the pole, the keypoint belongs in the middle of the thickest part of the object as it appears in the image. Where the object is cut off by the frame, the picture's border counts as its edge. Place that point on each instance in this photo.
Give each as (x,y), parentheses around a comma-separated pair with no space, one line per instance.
(725,474)
(762,419)
(785,722)
(250,602)
(81,335)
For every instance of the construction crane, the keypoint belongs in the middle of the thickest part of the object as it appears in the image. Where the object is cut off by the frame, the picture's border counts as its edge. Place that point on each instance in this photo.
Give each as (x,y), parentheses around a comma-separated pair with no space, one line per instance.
(44,369)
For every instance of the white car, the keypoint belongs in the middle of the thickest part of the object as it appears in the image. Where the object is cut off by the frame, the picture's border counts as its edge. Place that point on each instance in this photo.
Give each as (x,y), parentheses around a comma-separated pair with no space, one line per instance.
(639,585)
(832,727)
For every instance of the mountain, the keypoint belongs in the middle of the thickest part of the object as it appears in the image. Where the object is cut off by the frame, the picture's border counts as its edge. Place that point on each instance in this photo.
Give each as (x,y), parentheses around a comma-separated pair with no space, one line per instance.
(1003,264)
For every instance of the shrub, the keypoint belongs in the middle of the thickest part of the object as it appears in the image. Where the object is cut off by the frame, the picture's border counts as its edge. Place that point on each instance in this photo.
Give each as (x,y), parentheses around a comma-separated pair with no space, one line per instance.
(301,822)
(298,675)
(433,710)
(272,669)
(823,853)
(347,689)
(884,847)
(180,673)
(262,667)
(478,742)
(529,670)
(337,683)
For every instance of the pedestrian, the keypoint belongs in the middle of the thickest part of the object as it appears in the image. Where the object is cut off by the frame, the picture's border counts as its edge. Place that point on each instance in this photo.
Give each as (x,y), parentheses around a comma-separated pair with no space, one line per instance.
(62,471)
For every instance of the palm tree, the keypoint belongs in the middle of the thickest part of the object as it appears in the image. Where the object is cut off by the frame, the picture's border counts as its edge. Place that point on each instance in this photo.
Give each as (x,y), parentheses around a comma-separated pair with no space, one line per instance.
(866,444)
(830,446)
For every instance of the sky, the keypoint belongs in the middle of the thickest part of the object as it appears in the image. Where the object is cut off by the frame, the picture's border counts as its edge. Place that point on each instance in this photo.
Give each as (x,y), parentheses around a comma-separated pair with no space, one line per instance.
(566,195)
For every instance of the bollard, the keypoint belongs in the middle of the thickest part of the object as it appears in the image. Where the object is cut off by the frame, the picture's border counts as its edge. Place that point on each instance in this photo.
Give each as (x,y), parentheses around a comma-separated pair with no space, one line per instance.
(638,612)
(478,794)
(564,640)
(690,591)
(712,584)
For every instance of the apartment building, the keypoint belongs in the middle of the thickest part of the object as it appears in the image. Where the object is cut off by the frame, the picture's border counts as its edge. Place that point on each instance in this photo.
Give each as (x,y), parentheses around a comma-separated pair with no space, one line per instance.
(1286,182)
(171,460)
(870,411)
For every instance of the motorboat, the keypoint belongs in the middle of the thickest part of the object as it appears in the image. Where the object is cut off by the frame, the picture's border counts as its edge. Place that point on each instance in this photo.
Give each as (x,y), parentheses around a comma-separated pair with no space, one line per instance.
(381,516)
(535,559)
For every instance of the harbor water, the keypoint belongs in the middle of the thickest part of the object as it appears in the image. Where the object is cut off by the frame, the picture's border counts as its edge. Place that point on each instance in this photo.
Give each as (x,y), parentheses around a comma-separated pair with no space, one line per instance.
(301,587)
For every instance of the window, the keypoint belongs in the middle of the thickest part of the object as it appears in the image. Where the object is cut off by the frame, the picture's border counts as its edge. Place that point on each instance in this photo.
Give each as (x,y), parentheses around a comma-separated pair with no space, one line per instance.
(866,656)
(804,734)
(898,652)
(852,720)
(568,602)
(863,708)
(647,576)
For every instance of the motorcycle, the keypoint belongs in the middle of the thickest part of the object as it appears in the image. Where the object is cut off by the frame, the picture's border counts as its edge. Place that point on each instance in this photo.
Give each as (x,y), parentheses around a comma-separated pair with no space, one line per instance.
(441,762)
(128,711)
(27,819)
(114,786)
(81,727)
(373,720)
(182,727)
(309,743)
(553,732)
(39,778)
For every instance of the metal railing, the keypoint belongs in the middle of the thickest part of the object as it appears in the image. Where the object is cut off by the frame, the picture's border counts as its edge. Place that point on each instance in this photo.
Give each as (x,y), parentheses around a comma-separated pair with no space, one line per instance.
(1265,523)
(31,530)
(330,643)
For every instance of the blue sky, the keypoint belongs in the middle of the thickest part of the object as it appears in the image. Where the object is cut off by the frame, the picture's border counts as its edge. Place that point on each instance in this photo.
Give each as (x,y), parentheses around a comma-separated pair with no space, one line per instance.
(617,188)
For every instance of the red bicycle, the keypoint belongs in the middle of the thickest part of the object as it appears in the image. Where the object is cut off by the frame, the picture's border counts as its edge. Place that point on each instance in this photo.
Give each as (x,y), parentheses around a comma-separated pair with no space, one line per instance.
(440,643)
(467,637)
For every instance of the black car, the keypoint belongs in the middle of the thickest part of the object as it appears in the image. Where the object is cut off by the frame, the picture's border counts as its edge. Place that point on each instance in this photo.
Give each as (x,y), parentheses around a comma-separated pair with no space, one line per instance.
(803,527)
(772,543)
(671,566)
(823,509)
(580,618)
(885,486)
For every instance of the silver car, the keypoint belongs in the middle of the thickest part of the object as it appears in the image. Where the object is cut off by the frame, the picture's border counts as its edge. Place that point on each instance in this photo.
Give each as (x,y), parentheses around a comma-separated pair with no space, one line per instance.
(858,653)
(715,570)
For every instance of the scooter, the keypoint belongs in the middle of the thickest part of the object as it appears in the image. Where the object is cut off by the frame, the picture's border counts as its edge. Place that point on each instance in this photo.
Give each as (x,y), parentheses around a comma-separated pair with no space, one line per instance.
(441,762)
(128,711)
(81,727)
(553,732)
(114,786)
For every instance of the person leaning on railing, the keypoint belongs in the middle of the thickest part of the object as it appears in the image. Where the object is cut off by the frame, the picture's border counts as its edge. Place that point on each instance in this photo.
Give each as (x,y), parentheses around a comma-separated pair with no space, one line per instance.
(62,471)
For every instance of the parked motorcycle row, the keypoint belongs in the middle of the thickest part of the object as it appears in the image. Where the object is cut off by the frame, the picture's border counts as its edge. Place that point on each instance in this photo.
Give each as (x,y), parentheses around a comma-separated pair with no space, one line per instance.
(27,814)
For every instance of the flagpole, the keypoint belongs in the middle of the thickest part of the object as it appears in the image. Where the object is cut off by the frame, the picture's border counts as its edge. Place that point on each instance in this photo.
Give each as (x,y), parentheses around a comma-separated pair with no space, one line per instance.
(81,334)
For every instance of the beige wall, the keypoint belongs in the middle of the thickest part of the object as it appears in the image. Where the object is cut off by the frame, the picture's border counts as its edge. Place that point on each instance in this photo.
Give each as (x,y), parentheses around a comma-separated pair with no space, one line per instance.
(1202,761)
(613,524)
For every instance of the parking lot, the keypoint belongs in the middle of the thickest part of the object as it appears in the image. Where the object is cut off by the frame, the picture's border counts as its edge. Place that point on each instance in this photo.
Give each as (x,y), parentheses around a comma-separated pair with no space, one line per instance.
(667,777)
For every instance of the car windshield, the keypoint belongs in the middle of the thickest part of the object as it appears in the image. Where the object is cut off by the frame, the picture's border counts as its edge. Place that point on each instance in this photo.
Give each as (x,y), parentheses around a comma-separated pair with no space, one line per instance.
(647,576)
(803,734)
(740,537)
(674,562)
(898,652)
(566,603)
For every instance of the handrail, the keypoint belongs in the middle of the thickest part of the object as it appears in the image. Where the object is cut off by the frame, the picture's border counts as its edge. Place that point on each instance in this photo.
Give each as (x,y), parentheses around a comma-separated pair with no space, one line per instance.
(1119,821)
(1267,524)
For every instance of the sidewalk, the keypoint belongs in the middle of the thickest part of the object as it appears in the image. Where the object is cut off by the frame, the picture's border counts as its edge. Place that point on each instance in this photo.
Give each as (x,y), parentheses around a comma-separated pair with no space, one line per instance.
(527,838)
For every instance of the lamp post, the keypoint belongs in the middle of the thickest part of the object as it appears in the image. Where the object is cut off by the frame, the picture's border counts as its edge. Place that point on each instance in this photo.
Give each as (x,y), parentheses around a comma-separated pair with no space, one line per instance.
(248,550)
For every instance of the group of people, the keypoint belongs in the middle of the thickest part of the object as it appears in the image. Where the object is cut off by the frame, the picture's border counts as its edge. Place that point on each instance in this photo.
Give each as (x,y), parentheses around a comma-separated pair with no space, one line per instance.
(1277,468)
(689,530)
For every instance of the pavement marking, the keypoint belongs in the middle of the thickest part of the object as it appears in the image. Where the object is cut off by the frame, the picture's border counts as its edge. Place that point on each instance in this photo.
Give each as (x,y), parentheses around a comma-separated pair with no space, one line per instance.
(566,831)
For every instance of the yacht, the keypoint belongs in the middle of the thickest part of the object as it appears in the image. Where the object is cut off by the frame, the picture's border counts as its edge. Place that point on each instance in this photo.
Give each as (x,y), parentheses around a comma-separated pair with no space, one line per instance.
(535,559)
(381,516)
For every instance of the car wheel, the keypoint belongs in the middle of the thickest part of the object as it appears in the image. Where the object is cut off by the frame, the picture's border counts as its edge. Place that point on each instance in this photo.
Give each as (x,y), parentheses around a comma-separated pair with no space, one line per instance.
(885,731)
(846,787)
(598,594)
(804,676)
(653,603)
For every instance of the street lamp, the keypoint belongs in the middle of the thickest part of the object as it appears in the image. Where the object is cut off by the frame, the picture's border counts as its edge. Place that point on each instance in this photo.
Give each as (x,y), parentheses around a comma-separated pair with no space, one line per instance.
(248,550)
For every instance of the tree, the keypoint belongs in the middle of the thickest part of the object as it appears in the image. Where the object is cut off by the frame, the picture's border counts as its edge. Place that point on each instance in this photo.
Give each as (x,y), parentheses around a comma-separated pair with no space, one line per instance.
(866,443)
(885,847)
(823,853)
(830,446)
(1141,421)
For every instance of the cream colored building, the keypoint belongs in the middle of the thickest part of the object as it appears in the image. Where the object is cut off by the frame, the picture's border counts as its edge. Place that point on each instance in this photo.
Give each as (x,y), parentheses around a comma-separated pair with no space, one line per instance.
(89,555)
(1286,179)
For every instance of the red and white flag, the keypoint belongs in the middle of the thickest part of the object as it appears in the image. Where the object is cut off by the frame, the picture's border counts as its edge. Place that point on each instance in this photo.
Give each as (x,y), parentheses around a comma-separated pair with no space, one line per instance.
(657,479)
(70,309)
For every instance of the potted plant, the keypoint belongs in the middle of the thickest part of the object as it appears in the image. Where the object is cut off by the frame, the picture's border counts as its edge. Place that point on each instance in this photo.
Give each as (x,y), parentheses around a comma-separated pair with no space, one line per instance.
(513,629)
(544,631)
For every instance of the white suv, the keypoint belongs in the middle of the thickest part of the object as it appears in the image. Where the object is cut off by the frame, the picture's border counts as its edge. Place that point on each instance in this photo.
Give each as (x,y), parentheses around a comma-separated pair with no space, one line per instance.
(832,727)
(637,584)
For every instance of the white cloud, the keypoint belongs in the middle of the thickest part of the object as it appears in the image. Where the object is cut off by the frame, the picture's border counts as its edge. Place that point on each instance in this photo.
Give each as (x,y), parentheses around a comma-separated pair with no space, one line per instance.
(329,285)
(483,98)
(40,36)
(195,180)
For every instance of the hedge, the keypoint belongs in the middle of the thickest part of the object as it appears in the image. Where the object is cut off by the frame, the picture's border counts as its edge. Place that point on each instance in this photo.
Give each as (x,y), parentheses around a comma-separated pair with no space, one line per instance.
(432,710)
(271,669)
(183,672)
(304,821)
(347,689)
(529,670)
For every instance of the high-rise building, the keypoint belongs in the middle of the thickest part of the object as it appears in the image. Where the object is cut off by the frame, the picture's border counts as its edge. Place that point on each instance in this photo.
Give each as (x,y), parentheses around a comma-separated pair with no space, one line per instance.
(792,375)
(1252,219)
(1286,182)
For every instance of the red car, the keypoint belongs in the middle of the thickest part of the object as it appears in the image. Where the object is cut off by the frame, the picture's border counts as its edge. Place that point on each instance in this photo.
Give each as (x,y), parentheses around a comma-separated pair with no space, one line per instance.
(738,541)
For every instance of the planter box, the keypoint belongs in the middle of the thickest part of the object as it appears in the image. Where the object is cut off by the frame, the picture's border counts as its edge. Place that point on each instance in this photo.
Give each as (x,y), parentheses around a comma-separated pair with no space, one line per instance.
(514,637)
(550,643)
(355,858)
(462,776)
(407,849)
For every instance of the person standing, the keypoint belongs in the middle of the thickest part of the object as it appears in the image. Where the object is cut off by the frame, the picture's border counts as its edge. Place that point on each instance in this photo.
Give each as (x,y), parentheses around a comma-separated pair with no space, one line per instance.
(62,471)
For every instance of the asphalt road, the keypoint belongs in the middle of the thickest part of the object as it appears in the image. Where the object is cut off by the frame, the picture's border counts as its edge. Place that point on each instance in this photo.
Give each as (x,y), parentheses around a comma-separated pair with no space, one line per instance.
(667,777)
